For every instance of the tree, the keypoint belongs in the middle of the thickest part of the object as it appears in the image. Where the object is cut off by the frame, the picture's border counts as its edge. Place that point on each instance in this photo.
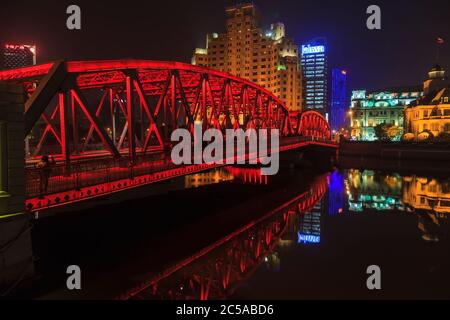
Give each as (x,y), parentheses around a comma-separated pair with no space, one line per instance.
(381,132)
(428,136)
(392,131)
(386,132)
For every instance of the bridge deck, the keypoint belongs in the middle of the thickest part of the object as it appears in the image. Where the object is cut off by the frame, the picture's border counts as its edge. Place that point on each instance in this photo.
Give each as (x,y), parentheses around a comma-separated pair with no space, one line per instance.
(100,175)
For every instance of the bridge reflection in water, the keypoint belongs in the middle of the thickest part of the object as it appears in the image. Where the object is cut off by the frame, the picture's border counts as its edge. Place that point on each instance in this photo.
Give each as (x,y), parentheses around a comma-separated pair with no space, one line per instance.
(217,271)
(252,253)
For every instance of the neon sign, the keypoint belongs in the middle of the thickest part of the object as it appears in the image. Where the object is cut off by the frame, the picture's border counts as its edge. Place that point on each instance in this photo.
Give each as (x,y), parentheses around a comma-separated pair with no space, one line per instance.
(308,238)
(21,47)
(308,49)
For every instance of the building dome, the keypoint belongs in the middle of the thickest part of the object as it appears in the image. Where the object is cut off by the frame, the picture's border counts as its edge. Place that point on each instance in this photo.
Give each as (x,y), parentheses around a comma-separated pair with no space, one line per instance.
(436,72)
(436,67)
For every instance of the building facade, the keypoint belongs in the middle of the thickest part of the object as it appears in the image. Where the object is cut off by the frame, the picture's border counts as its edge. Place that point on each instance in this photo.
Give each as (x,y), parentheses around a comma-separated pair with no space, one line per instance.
(17,56)
(371,108)
(430,115)
(315,75)
(269,59)
(339,104)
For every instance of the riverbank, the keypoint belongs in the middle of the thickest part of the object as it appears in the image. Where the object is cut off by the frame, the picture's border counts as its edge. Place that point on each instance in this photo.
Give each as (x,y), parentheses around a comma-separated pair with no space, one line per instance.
(437,152)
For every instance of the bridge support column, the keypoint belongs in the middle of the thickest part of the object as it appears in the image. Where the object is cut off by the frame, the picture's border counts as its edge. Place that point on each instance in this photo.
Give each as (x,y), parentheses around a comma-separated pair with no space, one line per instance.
(16,256)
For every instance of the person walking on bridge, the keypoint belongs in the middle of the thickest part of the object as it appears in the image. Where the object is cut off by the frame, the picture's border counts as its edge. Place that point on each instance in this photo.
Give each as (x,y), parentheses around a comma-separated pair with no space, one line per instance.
(45,170)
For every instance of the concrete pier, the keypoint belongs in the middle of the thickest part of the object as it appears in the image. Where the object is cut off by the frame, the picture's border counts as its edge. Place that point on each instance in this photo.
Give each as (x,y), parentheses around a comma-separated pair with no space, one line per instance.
(16,256)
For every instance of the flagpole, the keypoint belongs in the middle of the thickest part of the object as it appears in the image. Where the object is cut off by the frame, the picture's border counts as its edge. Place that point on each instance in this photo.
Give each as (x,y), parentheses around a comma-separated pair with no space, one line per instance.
(437,53)
(439,42)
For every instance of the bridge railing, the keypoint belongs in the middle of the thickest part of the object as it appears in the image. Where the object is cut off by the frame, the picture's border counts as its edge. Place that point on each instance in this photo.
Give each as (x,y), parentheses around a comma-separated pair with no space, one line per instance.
(82,174)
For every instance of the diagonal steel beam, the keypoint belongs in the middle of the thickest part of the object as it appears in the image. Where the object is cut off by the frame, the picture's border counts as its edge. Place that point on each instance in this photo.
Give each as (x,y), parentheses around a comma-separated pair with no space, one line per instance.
(47,89)
(97,114)
(82,102)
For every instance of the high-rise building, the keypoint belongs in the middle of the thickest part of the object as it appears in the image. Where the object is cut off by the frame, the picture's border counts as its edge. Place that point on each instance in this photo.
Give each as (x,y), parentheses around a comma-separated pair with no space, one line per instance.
(269,59)
(17,56)
(315,75)
(339,101)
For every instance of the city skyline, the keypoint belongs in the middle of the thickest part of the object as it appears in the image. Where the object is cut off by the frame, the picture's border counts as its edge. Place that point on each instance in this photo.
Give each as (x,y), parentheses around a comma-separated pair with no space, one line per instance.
(225,150)
(409,37)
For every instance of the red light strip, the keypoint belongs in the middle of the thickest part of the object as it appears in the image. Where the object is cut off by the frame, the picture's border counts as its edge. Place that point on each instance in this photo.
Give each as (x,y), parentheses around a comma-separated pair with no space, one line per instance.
(27,72)
(120,65)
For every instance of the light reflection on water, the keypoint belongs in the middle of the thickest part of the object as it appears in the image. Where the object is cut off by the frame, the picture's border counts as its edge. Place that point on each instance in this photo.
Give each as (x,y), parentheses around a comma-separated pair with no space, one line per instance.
(311,236)
(351,193)
(426,197)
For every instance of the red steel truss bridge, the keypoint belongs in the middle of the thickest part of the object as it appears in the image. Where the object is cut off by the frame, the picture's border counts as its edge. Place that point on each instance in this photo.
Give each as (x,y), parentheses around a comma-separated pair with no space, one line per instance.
(218,270)
(108,123)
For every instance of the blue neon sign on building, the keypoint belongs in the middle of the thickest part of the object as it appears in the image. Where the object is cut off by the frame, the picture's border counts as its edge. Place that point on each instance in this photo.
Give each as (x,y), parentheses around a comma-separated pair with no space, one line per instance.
(308,49)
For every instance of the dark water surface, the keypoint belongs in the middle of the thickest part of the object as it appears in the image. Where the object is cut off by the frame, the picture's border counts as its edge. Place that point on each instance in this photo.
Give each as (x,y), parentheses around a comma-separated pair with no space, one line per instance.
(232,234)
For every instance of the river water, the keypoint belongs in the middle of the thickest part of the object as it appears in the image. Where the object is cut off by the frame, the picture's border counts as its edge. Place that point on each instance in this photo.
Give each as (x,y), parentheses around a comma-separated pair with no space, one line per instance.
(232,234)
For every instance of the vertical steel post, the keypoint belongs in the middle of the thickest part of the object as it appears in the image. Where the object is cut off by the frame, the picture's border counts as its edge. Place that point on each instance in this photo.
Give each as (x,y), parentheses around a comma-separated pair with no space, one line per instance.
(173,102)
(65,148)
(113,115)
(130,120)
(74,126)
(204,109)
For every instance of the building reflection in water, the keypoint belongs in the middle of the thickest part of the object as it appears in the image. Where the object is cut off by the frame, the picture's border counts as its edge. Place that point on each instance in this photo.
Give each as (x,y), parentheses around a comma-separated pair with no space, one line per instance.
(427,198)
(207,178)
(374,191)
(336,194)
(427,194)
(227,174)
(309,226)
(218,270)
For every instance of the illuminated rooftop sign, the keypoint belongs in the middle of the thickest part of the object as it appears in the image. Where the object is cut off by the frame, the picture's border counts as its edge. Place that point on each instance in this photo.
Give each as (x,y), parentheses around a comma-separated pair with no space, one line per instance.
(308,49)
(20,47)
(308,238)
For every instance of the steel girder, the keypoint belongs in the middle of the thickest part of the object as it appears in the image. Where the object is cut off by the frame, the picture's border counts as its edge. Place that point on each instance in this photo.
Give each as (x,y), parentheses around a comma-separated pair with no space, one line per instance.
(132,106)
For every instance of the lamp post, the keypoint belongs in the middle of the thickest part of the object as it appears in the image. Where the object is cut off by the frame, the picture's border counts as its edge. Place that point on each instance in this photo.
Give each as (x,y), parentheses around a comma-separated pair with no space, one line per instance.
(350,115)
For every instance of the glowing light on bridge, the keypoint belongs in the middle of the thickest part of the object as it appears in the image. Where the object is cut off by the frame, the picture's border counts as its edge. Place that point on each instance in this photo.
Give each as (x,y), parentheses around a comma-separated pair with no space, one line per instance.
(108,123)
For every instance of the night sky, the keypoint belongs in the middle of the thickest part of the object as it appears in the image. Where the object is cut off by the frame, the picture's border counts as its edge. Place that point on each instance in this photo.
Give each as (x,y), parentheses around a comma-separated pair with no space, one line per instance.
(400,54)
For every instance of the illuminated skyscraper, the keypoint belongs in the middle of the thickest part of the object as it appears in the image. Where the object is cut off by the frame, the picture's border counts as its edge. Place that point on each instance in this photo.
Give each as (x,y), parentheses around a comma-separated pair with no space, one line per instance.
(268,58)
(17,56)
(315,75)
(339,103)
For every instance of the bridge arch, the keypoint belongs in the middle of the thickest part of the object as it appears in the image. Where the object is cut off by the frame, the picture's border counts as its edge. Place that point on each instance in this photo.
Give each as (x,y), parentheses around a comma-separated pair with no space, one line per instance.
(312,123)
(108,123)
(138,103)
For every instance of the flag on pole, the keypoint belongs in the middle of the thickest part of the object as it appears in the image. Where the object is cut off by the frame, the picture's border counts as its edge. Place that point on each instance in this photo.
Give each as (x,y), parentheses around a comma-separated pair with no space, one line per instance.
(440,41)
